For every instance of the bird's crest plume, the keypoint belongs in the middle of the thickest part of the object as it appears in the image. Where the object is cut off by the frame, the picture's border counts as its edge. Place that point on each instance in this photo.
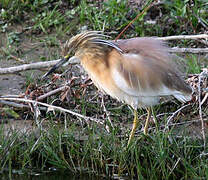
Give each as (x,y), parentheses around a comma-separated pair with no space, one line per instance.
(88,38)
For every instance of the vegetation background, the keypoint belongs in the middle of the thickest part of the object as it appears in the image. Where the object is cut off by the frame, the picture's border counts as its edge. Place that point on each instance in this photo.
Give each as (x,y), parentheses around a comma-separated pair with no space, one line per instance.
(35,30)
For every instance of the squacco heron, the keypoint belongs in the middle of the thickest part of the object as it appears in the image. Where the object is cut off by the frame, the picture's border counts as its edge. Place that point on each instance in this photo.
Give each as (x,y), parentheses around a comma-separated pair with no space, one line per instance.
(136,71)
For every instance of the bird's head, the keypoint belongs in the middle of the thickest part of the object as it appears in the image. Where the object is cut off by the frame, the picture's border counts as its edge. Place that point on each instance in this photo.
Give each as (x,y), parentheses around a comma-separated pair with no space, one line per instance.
(86,41)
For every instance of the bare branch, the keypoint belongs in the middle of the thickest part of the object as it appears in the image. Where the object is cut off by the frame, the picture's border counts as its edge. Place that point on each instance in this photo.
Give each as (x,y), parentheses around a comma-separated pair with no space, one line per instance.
(52,107)
(32,66)
(204,99)
(188,50)
(107,114)
(13,104)
(172,116)
(180,37)
(25,67)
(17,105)
(40,98)
(200,109)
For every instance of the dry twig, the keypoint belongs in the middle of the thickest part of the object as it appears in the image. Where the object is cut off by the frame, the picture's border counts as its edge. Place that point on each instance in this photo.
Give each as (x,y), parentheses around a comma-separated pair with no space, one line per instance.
(204,99)
(25,67)
(172,116)
(32,66)
(138,15)
(17,105)
(200,104)
(17,59)
(52,107)
(181,37)
(188,50)
(62,88)
(107,114)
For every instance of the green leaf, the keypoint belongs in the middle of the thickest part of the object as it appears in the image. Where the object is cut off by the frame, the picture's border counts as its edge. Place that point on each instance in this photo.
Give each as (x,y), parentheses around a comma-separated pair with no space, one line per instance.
(11,112)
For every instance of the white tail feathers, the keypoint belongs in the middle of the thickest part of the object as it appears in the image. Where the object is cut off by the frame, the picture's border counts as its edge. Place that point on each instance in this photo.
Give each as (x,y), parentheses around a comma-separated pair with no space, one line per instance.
(183,97)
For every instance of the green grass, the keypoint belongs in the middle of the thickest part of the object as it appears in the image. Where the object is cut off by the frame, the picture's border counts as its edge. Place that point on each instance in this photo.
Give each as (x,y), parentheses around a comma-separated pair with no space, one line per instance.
(193,64)
(188,13)
(63,18)
(43,25)
(171,17)
(54,20)
(159,155)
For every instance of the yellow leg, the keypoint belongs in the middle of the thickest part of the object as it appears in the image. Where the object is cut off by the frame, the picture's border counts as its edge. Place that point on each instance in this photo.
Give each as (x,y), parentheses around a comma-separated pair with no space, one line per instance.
(147,120)
(135,124)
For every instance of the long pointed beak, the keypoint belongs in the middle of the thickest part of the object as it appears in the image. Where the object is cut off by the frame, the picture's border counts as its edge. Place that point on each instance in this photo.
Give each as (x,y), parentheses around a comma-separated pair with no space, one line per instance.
(60,63)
